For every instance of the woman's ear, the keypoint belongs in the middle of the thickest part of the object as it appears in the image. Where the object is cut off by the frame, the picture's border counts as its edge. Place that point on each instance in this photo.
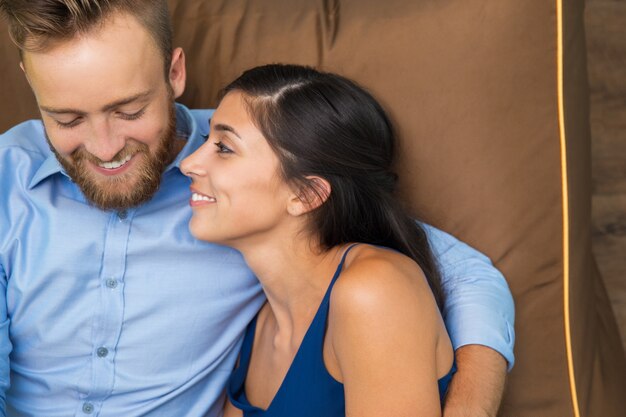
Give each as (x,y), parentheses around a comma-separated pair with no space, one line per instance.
(308,197)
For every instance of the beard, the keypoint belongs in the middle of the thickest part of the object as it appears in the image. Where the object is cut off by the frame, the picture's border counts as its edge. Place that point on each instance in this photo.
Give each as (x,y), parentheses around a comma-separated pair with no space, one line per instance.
(131,188)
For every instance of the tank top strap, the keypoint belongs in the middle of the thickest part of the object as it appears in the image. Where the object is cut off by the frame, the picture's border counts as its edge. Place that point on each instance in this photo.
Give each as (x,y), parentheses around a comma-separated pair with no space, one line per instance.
(245,352)
(318,326)
(339,268)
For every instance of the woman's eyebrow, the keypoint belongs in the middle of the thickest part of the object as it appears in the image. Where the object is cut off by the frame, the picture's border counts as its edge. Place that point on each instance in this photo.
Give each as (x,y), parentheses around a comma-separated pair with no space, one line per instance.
(225,128)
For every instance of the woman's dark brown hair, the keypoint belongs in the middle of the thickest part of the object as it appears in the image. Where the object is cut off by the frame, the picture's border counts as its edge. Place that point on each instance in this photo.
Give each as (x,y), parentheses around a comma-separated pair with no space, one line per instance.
(321,124)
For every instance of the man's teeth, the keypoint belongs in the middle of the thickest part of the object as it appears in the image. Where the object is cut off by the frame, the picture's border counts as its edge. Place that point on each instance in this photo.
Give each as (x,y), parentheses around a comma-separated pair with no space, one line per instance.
(201,197)
(115,164)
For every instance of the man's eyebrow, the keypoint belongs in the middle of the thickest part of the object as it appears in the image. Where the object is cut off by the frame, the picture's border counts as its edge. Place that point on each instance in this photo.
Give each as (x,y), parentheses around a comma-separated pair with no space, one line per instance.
(225,128)
(127,100)
(54,110)
(108,107)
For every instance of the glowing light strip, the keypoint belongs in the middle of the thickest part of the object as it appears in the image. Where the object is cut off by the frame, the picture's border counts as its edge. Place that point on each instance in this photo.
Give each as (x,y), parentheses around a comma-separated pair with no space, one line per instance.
(566,301)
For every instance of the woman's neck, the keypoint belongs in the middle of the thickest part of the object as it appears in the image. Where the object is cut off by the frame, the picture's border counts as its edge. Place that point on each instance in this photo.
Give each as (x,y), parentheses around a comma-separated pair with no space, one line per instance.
(295,276)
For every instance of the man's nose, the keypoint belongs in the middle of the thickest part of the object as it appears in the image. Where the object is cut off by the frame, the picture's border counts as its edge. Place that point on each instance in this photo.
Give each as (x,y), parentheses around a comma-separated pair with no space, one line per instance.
(104,142)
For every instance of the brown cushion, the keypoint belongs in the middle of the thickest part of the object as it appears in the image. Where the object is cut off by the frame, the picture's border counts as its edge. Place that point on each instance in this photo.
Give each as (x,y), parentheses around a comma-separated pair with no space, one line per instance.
(473,87)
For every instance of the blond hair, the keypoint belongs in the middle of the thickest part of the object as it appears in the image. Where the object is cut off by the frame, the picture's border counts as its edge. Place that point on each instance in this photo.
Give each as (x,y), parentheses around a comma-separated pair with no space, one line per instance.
(33,24)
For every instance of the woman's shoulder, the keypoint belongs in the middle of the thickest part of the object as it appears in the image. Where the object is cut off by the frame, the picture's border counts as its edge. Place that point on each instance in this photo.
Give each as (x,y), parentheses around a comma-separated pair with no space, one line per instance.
(379,272)
(381,304)
(377,280)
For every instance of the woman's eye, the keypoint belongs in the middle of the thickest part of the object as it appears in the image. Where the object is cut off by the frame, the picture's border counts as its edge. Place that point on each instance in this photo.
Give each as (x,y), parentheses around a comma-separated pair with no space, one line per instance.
(221,148)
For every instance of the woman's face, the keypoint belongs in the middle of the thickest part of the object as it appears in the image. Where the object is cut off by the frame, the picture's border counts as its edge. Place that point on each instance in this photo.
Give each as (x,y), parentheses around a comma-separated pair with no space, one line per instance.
(238,194)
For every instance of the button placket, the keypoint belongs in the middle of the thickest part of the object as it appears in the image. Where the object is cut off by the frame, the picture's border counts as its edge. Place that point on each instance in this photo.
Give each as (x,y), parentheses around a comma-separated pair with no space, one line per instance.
(111,309)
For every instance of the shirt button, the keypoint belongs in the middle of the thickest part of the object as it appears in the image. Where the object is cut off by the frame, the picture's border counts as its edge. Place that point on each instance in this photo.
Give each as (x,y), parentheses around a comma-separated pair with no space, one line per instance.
(111,283)
(88,408)
(102,352)
(122,214)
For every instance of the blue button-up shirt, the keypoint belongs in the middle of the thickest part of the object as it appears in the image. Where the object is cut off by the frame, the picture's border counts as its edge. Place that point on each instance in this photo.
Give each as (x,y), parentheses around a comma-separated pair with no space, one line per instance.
(125,314)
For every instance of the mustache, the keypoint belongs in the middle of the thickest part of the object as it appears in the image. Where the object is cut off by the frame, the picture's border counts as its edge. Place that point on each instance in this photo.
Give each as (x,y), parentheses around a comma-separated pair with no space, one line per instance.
(132,147)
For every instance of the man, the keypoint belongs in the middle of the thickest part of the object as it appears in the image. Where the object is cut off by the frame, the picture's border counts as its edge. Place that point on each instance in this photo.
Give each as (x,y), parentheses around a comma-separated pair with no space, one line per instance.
(110,307)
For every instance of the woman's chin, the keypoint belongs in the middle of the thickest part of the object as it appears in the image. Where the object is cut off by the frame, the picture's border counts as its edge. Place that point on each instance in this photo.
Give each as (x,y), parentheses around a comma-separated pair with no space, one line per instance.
(201,231)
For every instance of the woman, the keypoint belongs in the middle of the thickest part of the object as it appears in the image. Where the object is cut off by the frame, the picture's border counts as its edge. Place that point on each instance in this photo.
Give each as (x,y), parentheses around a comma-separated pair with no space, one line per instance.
(296,176)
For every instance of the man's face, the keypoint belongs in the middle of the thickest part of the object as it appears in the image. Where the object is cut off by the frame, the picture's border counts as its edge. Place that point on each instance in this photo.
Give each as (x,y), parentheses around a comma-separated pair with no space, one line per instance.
(108,110)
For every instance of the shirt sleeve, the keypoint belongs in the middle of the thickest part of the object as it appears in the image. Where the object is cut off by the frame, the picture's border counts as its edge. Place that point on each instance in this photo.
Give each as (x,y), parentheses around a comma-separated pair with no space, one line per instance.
(5,343)
(478,305)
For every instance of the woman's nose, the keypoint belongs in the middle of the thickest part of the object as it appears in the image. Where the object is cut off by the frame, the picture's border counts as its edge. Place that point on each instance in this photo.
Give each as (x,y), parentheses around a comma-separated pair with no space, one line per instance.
(193,164)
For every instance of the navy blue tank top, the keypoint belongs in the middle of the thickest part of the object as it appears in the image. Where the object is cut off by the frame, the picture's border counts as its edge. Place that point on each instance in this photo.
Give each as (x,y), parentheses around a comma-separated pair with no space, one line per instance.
(308,390)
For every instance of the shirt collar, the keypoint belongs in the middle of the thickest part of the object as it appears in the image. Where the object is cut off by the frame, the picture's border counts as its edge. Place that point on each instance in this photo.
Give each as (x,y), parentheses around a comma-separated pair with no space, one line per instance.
(49,167)
(186,128)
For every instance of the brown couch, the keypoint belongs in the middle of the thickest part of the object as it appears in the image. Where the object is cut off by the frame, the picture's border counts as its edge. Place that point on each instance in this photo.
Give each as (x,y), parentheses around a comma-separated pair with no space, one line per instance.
(490,101)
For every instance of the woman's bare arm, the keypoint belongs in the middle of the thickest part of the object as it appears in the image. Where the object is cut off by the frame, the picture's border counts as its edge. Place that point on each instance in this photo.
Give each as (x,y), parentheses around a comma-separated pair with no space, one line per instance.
(384,327)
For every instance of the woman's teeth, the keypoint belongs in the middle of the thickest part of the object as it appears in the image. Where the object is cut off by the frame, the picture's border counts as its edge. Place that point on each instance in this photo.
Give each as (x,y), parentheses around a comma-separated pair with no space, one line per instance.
(201,197)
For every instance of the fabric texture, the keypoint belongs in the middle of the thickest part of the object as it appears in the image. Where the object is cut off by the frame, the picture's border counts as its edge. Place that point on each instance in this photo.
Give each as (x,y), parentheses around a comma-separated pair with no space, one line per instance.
(308,389)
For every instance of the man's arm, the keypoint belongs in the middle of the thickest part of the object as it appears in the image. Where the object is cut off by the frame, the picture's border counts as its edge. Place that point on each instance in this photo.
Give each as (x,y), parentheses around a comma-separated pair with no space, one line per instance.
(5,343)
(477,386)
(479,315)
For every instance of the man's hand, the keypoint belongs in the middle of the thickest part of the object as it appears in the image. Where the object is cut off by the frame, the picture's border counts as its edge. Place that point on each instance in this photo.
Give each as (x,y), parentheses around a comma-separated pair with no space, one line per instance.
(476,387)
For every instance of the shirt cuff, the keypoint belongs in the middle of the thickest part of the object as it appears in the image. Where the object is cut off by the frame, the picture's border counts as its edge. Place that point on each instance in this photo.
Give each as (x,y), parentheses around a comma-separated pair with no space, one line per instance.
(480,328)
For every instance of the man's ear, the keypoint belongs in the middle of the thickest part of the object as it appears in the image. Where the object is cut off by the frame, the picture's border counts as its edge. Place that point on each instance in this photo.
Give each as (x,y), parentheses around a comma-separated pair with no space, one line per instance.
(178,72)
(23,67)
(308,197)
(24,71)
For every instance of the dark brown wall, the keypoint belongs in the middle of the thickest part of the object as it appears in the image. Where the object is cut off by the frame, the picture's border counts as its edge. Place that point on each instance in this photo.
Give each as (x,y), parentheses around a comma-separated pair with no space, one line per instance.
(605,23)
